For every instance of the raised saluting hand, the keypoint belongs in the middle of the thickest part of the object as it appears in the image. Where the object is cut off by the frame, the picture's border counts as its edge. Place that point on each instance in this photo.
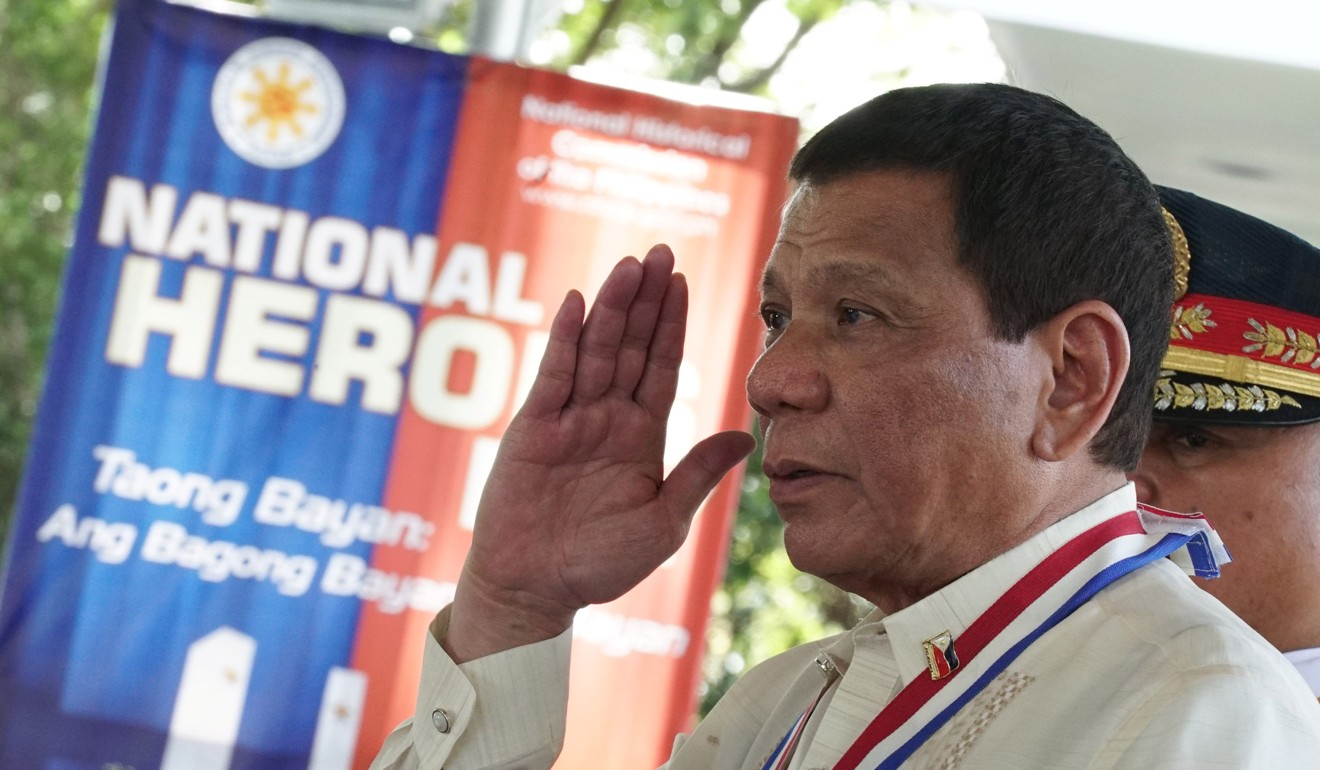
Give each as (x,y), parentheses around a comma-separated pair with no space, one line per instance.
(577,510)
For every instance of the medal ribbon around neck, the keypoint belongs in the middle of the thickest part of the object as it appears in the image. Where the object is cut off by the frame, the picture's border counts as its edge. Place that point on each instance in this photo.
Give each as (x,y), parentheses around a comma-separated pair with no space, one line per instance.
(783,753)
(1070,576)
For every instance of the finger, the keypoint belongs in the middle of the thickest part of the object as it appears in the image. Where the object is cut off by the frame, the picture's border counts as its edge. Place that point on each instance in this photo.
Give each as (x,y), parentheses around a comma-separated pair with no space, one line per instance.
(598,348)
(554,379)
(642,318)
(702,468)
(659,379)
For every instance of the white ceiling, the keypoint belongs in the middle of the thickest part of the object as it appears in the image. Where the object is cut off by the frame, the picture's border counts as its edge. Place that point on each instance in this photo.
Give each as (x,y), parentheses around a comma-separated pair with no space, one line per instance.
(1241,129)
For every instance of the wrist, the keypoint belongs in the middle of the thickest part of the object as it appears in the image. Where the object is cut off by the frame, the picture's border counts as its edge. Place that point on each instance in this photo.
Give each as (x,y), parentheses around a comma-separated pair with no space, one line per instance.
(483,622)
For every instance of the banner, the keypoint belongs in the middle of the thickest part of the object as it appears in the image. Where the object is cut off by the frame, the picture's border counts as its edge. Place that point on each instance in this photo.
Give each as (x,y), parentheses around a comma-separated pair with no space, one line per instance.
(560,178)
(278,377)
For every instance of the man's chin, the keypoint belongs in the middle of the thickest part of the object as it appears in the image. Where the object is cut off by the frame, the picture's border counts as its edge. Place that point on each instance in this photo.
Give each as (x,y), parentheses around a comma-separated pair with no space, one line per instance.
(816,558)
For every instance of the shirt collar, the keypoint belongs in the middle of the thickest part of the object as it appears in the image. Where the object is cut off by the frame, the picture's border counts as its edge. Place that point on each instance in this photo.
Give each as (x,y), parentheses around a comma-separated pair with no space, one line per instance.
(955,606)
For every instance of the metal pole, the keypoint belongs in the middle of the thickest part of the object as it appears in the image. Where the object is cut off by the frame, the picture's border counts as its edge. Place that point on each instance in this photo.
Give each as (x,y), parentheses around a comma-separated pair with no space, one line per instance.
(499,29)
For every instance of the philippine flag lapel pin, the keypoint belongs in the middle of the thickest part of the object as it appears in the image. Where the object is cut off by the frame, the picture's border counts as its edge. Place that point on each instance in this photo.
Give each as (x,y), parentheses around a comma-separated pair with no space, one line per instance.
(940,656)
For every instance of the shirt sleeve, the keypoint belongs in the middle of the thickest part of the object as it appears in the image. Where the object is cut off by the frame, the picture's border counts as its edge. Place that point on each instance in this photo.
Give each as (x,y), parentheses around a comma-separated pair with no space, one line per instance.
(504,711)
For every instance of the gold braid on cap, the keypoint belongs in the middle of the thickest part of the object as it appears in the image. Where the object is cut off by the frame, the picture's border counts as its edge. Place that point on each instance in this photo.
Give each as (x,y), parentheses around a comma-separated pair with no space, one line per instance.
(1182,255)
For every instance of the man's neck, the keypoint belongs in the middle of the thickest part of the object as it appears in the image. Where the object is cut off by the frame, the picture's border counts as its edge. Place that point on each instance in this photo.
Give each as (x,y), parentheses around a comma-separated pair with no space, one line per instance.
(892,597)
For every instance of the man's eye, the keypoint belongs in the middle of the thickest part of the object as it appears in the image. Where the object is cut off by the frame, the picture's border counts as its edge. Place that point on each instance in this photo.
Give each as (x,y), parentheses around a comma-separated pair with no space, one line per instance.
(851,315)
(774,319)
(1190,439)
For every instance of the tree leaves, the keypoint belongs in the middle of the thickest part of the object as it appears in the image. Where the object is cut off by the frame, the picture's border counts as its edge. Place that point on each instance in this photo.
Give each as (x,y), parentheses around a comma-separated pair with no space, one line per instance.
(47,57)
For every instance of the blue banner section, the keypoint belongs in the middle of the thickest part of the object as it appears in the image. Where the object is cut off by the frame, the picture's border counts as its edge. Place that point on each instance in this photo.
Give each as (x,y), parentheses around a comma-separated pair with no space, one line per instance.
(204,483)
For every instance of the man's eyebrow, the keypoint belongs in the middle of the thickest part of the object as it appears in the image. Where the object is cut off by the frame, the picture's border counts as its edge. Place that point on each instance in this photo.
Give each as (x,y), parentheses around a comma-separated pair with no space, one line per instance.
(849,272)
(836,272)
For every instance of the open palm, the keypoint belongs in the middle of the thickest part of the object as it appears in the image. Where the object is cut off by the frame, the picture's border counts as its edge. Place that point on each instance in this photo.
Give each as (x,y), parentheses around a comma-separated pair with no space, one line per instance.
(577,510)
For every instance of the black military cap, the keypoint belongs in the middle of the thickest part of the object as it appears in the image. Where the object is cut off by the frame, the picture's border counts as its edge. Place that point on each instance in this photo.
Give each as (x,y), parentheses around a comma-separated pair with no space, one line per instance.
(1243,343)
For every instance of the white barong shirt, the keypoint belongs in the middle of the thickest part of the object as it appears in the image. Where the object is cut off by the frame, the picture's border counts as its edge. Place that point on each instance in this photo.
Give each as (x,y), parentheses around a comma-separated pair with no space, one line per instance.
(1151,672)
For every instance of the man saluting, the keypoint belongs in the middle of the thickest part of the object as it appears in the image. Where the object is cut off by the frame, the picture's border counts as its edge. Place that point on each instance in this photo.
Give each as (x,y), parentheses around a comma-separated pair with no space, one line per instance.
(965,313)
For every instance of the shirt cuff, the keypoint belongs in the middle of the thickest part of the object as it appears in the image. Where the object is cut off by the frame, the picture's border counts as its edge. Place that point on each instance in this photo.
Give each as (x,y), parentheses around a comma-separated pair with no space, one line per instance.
(494,711)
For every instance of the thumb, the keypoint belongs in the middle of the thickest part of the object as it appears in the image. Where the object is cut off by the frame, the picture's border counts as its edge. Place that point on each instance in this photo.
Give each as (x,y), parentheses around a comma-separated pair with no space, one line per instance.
(702,468)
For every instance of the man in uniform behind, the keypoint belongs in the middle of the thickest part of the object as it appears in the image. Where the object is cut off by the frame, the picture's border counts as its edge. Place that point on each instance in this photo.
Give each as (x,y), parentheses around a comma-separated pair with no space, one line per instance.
(1237,411)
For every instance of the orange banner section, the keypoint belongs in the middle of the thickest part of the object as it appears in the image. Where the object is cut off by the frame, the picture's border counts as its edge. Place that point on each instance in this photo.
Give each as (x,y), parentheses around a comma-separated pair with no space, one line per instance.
(553,180)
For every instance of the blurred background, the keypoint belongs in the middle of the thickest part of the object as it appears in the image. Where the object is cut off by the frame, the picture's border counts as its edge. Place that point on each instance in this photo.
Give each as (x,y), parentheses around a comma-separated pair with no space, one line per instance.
(1221,97)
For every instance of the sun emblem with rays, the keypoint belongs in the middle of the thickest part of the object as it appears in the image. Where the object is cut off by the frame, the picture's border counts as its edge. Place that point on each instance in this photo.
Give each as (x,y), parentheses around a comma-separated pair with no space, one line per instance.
(278,102)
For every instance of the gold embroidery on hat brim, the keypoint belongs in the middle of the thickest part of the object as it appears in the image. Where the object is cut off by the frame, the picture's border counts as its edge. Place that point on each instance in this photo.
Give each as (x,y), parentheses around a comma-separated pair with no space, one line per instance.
(1243,369)
(1182,255)
(1189,321)
(1288,344)
(1205,396)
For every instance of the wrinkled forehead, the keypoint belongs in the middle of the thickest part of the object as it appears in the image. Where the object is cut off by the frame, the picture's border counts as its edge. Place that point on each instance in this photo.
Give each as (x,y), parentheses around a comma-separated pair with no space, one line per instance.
(863,230)
(876,205)
(783,275)
(804,197)
(814,207)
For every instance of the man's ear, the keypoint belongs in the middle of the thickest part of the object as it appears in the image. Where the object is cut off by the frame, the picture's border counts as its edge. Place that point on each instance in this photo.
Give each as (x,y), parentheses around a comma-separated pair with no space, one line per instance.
(1087,345)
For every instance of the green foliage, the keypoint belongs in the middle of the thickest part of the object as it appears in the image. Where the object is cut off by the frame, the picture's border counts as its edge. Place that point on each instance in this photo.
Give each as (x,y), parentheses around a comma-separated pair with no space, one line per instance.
(698,43)
(47,60)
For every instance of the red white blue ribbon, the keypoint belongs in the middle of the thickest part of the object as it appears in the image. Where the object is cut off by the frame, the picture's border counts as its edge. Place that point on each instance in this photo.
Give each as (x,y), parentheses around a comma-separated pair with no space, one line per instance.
(1048,593)
(783,753)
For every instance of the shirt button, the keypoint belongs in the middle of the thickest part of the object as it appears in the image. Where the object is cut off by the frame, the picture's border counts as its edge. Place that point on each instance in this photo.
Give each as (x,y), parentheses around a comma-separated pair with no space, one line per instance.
(440,718)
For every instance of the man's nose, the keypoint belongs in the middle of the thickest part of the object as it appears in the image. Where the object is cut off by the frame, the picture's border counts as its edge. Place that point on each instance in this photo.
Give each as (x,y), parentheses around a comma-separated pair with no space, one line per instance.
(788,377)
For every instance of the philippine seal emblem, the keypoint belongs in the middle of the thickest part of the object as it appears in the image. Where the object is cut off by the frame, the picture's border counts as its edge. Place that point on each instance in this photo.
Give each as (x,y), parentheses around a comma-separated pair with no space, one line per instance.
(278,102)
